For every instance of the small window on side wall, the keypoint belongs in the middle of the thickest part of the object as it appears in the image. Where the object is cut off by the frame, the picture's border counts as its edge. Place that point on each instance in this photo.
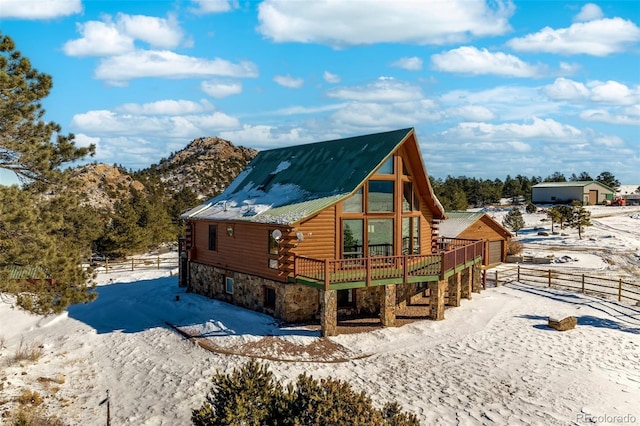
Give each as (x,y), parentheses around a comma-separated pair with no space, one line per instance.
(229,285)
(273,243)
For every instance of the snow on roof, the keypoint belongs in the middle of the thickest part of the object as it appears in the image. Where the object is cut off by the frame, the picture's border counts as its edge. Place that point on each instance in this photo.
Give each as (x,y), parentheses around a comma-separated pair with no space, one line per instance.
(252,204)
(285,185)
(457,222)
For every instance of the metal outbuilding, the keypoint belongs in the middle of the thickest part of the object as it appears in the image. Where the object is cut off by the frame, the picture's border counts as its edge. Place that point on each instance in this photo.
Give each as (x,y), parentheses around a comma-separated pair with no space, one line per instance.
(587,192)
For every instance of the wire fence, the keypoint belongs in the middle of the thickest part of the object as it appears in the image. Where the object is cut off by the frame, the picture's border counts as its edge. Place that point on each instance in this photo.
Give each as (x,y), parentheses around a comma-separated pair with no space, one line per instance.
(619,288)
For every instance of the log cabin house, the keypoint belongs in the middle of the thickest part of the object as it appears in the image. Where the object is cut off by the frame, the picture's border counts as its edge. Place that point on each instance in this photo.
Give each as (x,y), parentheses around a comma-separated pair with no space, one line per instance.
(306,231)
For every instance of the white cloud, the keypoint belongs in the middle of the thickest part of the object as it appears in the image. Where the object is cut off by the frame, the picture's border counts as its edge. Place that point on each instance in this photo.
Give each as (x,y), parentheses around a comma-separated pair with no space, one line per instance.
(83,141)
(167,64)
(265,137)
(109,37)
(565,89)
(99,39)
(295,110)
(382,90)
(213,6)
(221,89)
(610,141)
(537,128)
(589,12)
(370,117)
(612,92)
(509,103)
(166,107)
(628,116)
(472,113)
(609,92)
(410,64)
(601,37)
(38,9)
(470,60)
(126,123)
(288,81)
(407,21)
(158,32)
(331,78)
(567,68)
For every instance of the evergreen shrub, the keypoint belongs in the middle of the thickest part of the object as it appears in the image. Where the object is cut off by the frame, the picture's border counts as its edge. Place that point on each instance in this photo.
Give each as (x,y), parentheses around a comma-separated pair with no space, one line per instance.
(250,395)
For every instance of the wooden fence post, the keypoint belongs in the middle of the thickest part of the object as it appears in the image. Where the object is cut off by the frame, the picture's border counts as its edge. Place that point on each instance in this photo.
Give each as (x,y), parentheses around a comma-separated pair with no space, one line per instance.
(620,290)
(106,265)
(549,277)
(158,262)
(518,273)
(497,278)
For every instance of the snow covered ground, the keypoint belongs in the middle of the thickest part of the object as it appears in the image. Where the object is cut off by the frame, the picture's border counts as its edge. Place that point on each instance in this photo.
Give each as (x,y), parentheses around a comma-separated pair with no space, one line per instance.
(491,361)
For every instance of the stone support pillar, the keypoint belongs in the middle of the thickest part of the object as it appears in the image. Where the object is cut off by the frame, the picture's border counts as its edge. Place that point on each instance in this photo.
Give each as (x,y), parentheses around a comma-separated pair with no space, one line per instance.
(388,306)
(477,278)
(454,290)
(329,313)
(436,299)
(466,283)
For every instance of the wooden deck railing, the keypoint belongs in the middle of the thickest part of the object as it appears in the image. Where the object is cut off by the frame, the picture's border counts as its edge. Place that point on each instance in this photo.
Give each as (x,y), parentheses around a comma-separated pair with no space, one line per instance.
(395,268)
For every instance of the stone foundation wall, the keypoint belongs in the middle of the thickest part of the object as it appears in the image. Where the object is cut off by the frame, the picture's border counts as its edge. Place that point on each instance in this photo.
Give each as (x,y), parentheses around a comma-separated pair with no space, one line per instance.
(368,300)
(294,302)
(409,293)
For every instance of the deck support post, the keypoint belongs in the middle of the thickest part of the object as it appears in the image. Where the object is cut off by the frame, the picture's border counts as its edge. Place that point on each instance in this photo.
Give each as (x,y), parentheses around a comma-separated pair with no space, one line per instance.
(454,290)
(466,283)
(436,299)
(388,306)
(477,278)
(328,313)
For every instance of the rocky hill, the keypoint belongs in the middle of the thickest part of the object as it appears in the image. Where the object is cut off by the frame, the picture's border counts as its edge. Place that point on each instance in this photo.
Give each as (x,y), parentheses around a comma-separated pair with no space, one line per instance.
(102,184)
(206,166)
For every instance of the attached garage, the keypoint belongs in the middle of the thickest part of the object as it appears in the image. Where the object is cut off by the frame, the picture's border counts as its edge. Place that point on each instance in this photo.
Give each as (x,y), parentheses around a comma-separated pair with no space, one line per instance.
(478,226)
(587,192)
(495,252)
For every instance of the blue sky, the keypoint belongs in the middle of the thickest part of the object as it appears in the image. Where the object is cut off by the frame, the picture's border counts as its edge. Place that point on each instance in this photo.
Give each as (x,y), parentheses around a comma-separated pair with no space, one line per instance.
(492,88)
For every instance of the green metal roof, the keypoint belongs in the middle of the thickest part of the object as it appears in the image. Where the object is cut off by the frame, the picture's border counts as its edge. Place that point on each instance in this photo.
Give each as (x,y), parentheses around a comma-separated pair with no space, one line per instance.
(580,183)
(286,185)
(21,272)
(456,222)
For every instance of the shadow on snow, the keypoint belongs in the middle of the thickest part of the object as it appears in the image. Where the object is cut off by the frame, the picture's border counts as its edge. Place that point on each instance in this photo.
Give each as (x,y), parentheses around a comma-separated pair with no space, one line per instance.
(143,305)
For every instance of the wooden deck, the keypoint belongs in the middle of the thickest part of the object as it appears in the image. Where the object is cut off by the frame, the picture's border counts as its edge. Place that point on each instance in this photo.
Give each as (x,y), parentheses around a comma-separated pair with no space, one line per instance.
(340,274)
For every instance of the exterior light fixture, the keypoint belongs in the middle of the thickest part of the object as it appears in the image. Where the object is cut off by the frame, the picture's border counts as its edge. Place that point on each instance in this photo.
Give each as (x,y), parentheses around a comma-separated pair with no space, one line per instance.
(230,231)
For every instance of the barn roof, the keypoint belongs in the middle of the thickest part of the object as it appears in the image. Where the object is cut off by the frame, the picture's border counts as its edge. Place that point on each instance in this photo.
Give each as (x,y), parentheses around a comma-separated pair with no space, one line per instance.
(581,183)
(286,185)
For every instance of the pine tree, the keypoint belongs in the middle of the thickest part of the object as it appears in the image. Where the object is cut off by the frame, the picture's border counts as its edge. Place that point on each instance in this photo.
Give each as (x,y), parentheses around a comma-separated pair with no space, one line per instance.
(27,145)
(35,232)
(555,216)
(513,220)
(580,217)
